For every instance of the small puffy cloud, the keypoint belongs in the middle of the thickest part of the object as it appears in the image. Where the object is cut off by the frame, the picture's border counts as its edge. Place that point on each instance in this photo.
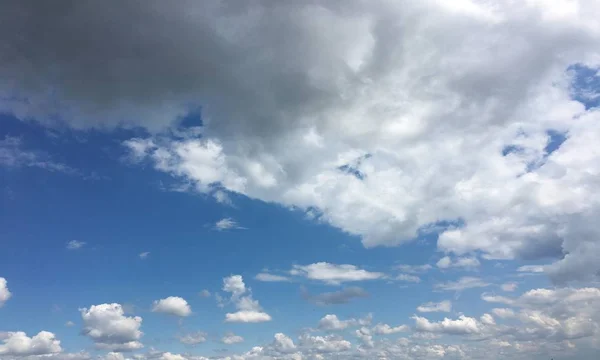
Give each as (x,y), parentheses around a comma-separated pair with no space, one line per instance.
(227,224)
(385,329)
(74,244)
(462,262)
(170,356)
(173,305)
(19,344)
(462,326)
(266,277)
(110,329)
(231,338)
(408,278)
(334,274)
(487,319)
(69,324)
(247,316)
(204,293)
(5,294)
(325,344)
(113,356)
(510,286)
(331,322)
(466,282)
(234,284)
(193,338)
(503,313)
(144,255)
(283,344)
(442,306)
(365,337)
(335,297)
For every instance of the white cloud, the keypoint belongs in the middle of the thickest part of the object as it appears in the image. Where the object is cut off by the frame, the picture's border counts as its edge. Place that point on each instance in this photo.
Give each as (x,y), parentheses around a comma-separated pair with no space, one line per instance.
(204,293)
(74,244)
(226,224)
(172,305)
(334,274)
(271,277)
(531,269)
(511,286)
(5,294)
(113,356)
(231,338)
(385,329)
(466,282)
(19,344)
(503,313)
(408,278)
(144,254)
(193,338)
(442,306)
(249,310)
(461,326)
(413,269)
(325,344)
(283,343)
(110,329)
(365,337)
(342,296)
(170,356)
(331,322)
(462,262)
(69,324)
(247,316)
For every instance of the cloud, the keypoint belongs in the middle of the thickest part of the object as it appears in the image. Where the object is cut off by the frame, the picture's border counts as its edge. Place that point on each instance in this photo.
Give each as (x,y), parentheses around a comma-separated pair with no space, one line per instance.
(74,244)
(283,343)
(249,310)
(334,274)
(442,306)
(511,286)
(231,338)
(531,269)
(172,305)
(247,316)
(204,293)
(466,282)
(5,294)
(110,329)
(414,269)
(12,154)
(331,322)
(461,326)
(343,296)
(193,338)
(144,255)
(462,262)
(408,278)
(385,329)
(226,224)
(19,344)
(266,277)
(69,324)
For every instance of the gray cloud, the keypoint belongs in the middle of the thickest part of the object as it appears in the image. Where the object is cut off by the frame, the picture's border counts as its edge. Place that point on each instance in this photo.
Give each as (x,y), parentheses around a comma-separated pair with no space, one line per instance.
(343,296)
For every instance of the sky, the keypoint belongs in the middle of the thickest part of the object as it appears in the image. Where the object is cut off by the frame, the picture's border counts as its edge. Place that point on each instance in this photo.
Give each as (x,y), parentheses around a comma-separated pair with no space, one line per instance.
(299,180)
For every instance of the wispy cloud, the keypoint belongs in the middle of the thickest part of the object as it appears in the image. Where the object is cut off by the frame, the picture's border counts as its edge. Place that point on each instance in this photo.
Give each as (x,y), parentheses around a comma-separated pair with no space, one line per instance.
(343,296)
(466,282)
(144,255)
(227,224)
(74,244)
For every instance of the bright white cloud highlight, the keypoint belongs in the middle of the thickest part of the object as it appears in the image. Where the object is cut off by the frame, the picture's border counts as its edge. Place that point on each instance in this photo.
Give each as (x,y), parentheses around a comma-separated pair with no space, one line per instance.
(19,344)
(110,329)
(74,244)
(5,294)
(442,306)
(334,274)
(172,305)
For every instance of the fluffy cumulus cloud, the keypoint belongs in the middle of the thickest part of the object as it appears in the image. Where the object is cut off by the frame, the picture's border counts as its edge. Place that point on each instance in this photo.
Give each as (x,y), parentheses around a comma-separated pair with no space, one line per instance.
(331,322)
(462,262)
(19,344)
(172,305)
(193,338)
(110,329)
(248,309)
(385,329)
(364,97)
(334,274)
(4,293)
(231,338)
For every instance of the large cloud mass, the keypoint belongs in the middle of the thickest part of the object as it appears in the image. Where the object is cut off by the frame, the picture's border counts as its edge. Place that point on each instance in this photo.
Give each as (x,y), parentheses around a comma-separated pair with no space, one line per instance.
(380,118)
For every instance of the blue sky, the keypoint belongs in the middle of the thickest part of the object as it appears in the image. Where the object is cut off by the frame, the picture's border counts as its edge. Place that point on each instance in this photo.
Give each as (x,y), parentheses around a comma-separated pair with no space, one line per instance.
(231,195)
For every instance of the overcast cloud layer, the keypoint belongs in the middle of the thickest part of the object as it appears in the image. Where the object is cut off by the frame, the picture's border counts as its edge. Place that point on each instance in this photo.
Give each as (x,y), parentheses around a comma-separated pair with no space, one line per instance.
(384,119)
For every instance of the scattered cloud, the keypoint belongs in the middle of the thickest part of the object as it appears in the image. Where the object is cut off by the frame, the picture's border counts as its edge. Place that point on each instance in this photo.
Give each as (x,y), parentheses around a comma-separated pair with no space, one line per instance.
(74,244)
(227,224)
(510,286)
(334,274)
(469,263)
(408,278)
(13,154)
(5,294)
(531,269)
(69,324)
(110,329)
(414,269)
(231,338)
(385,329)
(466,282)
(249,310)
(442,306)
(194,338)
(343,296)
(331,322)
(173,305)
(19,344)
(204,293)
(144,255)
(266,277)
